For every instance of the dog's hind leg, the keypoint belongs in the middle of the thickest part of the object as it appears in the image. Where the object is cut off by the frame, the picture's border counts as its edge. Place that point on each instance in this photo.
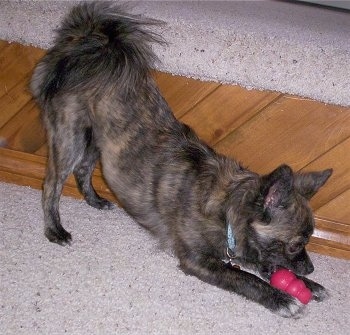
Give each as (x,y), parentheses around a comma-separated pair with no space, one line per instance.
(71,150)
(83,174)
(67,145)
(60,165)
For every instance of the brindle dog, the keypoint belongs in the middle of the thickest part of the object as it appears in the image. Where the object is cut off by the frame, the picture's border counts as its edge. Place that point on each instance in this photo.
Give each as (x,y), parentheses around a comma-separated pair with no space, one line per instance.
(98,100)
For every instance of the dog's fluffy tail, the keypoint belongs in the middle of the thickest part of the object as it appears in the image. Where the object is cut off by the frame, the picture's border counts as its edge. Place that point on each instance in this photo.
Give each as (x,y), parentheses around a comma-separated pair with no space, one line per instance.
(98,43)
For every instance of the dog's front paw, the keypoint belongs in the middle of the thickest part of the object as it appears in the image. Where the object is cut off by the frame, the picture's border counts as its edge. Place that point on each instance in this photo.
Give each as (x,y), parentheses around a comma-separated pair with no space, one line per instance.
(319,293)
(289,307)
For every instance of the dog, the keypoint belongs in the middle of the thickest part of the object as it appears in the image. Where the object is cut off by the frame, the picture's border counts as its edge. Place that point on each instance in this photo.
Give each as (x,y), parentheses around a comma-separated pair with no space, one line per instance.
(99,101)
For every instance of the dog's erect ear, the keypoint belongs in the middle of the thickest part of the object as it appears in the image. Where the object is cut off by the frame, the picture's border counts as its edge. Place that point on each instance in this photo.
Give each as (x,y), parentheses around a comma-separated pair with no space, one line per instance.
(308,183)
(276,186)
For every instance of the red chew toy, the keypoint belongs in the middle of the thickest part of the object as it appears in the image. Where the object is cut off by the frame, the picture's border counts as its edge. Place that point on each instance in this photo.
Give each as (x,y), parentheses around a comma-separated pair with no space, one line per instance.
(286,281)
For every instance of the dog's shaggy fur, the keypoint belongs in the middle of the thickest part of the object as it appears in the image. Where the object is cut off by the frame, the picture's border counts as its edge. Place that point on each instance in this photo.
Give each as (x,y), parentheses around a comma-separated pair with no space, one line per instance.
(99,100)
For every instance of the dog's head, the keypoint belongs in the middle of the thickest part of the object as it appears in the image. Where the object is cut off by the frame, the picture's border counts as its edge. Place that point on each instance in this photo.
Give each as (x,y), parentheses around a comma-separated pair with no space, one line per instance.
(278,234)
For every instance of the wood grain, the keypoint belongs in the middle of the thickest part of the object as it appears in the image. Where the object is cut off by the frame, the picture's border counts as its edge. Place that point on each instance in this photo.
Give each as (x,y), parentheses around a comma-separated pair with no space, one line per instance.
(24,131)
(27,169)
(3,44)
(337,158)
(332,231)
(10,52)
(337,209)
(16,62)
(42,151)
(182,93)
(14,100)
(224,110)
(288,131)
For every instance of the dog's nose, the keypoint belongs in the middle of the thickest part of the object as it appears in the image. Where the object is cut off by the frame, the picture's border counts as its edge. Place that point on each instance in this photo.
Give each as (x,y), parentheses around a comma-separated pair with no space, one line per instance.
(309,268)
(304,264)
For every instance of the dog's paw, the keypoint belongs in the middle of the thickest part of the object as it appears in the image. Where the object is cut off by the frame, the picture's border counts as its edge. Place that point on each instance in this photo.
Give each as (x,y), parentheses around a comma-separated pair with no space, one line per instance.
(61,236)
(105,204)
(100,203)
(293,309)
(289,307)
(319,293)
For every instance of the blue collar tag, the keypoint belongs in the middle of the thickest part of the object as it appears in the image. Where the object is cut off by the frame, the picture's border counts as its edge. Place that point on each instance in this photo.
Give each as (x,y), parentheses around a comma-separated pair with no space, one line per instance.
(230,239)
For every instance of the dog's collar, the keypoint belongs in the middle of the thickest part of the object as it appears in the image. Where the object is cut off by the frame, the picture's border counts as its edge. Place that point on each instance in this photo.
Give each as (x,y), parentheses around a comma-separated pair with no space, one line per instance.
(231,242)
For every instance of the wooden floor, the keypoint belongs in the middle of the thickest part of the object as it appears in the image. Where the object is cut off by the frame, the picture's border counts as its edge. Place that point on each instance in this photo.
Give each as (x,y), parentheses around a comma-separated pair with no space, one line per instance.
(260,129)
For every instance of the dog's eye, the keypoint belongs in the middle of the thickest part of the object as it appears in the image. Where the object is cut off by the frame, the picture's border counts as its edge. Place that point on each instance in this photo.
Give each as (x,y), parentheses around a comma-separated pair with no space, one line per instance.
(307,236)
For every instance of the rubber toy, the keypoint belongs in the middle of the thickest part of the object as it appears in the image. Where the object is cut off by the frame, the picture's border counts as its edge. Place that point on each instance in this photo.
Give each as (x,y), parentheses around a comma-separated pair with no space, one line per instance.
(285,280)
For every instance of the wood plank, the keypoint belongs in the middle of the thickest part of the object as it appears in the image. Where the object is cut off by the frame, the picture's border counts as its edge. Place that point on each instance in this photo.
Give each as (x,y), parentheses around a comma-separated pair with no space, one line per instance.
(17,64)
(23,164)
(29,170)
(224,110)
(318,246)
(10,54)
(24,131)
(14,100)
(332,232)
(42,151)
(337,209)
(289,131)
(3,44)
(182,93)
(339,182)
(330,238)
